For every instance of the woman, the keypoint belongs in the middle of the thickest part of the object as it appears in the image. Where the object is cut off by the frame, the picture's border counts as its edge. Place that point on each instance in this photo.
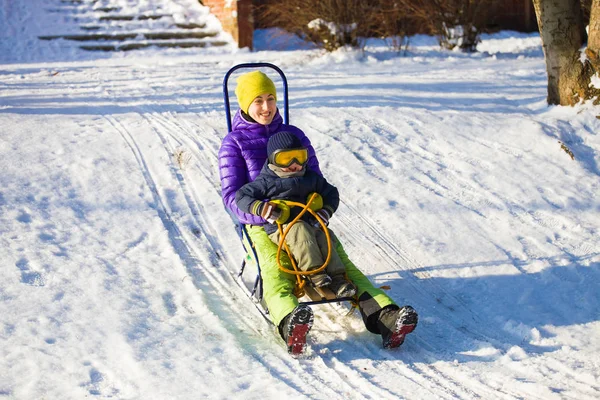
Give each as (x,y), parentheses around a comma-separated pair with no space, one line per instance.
(241,157)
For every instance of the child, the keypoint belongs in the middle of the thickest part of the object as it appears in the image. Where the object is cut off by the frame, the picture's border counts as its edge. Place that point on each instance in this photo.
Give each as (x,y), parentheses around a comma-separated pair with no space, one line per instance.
(285,176)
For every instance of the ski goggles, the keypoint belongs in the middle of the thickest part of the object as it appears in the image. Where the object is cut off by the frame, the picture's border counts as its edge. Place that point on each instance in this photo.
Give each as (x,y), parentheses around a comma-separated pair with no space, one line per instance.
(283,158)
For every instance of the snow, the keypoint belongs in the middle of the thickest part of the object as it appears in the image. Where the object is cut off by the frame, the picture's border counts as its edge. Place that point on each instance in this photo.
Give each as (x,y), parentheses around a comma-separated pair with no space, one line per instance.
(455,192)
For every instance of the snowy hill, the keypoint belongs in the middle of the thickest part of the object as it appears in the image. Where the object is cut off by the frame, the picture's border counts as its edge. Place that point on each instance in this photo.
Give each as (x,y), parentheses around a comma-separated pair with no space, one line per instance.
(455,192)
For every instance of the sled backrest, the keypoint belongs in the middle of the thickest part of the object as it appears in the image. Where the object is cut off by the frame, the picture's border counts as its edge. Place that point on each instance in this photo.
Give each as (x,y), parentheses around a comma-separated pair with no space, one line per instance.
(286,114)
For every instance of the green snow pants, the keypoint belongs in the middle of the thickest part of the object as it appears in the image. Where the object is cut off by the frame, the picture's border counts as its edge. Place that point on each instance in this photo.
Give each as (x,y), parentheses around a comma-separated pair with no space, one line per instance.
(278,286)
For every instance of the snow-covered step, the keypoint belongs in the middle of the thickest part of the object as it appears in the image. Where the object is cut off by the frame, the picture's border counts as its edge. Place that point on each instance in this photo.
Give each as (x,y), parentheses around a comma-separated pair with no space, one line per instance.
(128,25)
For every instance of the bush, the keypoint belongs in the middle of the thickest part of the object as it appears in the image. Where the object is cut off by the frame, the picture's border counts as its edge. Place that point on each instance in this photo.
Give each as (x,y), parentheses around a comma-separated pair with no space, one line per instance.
(332,24)
(456,23)
(389,22)
(329,24)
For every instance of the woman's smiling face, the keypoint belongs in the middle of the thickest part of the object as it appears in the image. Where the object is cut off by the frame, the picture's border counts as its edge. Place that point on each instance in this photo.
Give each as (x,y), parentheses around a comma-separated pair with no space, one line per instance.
(263,108)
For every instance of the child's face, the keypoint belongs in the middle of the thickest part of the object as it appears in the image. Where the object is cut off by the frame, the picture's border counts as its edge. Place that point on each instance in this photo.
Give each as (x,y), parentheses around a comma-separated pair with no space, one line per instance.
(263,109)
(295,167)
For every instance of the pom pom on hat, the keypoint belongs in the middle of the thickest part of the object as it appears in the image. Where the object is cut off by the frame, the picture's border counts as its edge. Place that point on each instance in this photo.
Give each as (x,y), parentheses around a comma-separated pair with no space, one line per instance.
(251,85)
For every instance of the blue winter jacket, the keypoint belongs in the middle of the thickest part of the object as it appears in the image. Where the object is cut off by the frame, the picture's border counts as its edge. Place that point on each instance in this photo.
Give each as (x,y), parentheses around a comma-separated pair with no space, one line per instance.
(269,186)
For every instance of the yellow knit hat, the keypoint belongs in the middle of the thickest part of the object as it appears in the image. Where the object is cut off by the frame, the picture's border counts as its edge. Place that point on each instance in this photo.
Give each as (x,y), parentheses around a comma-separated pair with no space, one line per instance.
(251,85)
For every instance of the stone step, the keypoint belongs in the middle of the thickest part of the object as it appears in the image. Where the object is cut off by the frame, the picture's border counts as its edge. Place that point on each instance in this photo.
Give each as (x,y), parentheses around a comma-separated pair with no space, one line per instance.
(106,9)
(123,17)
(67,10)
(79,2)
(165,35)
(119,46)
(190,25)
(78,8)
(92,36)
(140,24)
(179,35)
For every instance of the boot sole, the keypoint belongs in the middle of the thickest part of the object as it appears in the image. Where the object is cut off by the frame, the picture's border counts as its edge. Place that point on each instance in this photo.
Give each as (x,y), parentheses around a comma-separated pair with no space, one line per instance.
(405,325)
(302,321)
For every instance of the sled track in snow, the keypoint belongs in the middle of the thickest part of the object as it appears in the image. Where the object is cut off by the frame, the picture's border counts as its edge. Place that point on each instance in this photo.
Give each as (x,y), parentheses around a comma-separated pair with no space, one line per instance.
(202,263)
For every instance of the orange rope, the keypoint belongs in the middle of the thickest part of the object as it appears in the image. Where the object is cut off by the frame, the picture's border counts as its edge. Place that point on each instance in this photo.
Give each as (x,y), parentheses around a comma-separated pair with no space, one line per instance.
(282,243)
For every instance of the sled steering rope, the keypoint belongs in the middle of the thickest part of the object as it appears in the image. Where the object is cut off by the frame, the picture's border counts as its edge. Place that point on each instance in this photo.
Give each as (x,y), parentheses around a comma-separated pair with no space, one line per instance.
(299,290)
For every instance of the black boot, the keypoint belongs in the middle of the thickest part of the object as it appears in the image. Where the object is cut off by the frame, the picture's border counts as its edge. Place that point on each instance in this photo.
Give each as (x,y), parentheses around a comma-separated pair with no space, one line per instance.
(294,328)
(395,323)
(342,287)
(320,280)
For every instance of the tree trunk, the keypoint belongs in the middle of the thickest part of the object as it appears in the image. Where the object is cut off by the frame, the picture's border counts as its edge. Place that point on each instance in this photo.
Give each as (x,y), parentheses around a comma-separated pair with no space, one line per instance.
(561,29)
(593,46)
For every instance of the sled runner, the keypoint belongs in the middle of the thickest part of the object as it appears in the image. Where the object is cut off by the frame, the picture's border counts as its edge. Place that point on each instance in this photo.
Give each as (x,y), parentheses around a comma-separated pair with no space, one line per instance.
(249,275)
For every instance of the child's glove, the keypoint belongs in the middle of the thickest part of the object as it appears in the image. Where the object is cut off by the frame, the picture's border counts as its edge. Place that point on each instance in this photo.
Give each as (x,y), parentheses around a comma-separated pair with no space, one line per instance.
(317,202)
(284,210)
(272,211)
(324,215)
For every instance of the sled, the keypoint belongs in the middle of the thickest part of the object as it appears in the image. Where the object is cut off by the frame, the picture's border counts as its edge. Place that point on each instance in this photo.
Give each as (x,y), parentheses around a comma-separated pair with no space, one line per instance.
(248,277)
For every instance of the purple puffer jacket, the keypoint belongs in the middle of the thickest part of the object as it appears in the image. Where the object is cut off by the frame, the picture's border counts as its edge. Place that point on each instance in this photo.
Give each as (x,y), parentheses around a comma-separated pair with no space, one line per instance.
(244,152)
